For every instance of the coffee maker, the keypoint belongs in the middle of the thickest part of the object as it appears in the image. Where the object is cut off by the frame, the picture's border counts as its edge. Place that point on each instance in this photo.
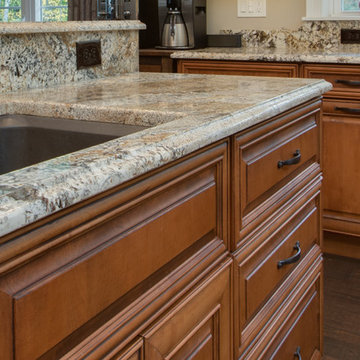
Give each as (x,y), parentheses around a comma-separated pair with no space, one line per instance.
(168,21)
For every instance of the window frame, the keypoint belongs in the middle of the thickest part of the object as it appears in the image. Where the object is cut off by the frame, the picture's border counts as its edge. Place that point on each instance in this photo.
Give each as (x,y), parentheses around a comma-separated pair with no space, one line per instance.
(328,10)
(31,10)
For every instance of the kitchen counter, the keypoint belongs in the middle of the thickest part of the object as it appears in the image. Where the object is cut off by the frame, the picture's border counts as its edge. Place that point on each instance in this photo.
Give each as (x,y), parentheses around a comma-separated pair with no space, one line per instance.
(345,54)
(183,113)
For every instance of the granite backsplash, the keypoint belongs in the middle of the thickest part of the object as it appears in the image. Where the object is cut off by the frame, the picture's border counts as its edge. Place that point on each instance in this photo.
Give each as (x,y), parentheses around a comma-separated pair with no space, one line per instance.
(315,35)
(45,55)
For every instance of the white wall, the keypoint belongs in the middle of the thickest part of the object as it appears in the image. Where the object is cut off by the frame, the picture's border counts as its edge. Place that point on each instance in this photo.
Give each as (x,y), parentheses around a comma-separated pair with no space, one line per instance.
(222,15)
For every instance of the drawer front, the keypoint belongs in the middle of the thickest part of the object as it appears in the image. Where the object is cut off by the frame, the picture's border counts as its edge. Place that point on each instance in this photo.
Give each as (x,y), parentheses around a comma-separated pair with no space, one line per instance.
(297,320)
(238,68)
(262,271)
(281,155)
(199,327)
(342,108)
(154,222)
(344,78)
(300,338)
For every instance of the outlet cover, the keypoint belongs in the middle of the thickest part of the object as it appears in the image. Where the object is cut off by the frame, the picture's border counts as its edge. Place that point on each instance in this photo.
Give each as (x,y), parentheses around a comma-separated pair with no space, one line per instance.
(350,36)
(251,8)
(88,53)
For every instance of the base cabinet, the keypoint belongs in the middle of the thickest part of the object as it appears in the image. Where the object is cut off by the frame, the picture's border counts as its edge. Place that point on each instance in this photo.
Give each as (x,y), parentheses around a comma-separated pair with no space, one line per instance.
(214,256)
(199,327)
(340,134)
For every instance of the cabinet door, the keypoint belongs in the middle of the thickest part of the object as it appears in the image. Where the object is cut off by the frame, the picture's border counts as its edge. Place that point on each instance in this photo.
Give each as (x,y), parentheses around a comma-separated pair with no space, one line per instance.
(110,250)
(341,138)
(238,68)
(199,327)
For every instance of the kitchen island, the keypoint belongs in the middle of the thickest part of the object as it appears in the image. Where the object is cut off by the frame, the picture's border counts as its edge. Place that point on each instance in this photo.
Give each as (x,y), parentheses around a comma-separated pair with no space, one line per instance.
(158,244)
(338,64)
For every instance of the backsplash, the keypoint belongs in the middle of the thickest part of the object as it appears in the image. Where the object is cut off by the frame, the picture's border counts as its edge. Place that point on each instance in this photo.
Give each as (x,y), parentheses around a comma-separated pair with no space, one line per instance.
(45,55)
(311,35)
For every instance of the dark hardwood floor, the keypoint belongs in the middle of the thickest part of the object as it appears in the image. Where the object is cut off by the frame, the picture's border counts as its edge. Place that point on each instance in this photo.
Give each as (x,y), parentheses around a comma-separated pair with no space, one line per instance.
(341,308)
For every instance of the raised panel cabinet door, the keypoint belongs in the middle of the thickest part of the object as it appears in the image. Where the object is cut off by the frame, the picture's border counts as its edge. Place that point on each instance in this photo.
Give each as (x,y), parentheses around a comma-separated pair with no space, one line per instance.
(198,327)
(63,274)
(238,68)
(271,164)
(341,167)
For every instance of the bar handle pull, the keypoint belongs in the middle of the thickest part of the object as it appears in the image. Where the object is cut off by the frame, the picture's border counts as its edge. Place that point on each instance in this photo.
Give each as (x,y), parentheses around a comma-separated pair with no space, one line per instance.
(293,259)
(294,160)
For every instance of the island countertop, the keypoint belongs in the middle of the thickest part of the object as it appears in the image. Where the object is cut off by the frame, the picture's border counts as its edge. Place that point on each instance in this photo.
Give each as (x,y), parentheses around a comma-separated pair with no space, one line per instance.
(182,113)
(343,54)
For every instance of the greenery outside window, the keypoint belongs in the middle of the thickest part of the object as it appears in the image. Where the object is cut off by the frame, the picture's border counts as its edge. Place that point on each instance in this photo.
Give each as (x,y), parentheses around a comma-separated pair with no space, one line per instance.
(33,10)
(332,10)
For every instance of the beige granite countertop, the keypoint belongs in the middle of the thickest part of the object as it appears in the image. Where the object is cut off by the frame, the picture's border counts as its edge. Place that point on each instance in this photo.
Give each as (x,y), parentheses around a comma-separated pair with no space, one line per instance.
(345,54)
(69,26)
(182,112)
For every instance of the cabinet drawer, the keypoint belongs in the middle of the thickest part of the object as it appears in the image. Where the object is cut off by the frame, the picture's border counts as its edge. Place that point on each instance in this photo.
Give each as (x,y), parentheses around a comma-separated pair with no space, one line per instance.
(259,273)
(341,108)
(344,78)
(138,230)
(238,68)
(301,334)
(263,271)
(199,327)
(264,152)
(296,321)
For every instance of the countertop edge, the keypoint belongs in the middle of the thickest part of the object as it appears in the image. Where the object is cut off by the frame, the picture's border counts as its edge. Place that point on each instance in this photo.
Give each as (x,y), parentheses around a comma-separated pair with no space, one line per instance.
(19,213)
(70,26)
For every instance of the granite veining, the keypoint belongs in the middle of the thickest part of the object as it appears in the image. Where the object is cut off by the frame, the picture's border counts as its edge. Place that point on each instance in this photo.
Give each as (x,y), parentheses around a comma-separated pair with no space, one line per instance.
(46,58)
(69,26)
(310,35)
(344,54)
(183,112)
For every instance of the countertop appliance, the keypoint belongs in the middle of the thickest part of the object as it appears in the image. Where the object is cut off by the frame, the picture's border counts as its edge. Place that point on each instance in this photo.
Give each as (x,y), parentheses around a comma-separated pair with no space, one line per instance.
(174,34)
(158,14)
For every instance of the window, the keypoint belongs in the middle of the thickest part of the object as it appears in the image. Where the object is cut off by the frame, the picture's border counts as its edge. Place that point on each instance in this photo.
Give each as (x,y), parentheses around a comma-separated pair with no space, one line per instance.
(332,10)
(33,10)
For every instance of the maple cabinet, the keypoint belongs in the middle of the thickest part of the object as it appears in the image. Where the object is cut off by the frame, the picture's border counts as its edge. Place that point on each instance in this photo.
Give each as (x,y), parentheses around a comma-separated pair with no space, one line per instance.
(214,256)
(276,228)
(247,68)
(341,136)
(340,139)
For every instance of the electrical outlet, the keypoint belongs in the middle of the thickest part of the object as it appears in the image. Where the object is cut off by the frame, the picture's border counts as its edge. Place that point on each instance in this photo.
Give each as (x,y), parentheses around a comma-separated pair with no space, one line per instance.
(350,36)
(251,8)
(88,53)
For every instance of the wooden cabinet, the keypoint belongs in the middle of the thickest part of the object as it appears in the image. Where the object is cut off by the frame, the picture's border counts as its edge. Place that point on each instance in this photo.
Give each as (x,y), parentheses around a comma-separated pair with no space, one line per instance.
(90,261)
(276,224)
(245,68)
(156,60)
(293,137)
(180,263)
(199,327)
(341,136)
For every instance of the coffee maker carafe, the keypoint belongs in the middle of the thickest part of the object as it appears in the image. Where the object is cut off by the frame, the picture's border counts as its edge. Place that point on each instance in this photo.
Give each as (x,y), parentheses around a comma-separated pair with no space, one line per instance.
(187,16)
(174,34)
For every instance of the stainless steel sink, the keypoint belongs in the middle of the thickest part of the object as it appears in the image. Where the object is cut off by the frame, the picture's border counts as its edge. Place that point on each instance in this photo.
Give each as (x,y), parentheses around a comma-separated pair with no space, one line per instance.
(26,140)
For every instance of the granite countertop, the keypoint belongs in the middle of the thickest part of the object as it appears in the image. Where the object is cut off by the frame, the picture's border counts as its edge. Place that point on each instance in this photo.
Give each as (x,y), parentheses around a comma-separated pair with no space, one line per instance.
(67,26)
(344,54)
(182,112)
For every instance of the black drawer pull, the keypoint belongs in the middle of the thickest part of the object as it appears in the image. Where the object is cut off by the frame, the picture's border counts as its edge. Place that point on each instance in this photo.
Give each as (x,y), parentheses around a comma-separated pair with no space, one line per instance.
(292,259)
(297,353)
(295,160)
(348,110)
(348,82)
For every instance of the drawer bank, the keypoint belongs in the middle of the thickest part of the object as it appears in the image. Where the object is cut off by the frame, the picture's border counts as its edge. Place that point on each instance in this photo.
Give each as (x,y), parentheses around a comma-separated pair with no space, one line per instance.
(213,255)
